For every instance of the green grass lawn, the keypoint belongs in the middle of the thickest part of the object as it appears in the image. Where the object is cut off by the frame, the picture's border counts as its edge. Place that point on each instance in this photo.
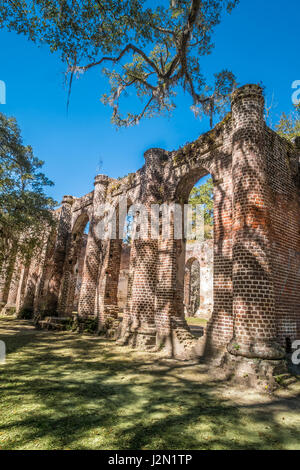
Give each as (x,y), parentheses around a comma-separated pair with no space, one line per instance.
(196,321)
(66,391)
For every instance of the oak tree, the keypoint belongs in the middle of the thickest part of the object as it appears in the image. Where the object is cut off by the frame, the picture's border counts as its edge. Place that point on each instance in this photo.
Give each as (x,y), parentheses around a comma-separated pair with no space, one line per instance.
(289,124)
(151,47)
(25,209)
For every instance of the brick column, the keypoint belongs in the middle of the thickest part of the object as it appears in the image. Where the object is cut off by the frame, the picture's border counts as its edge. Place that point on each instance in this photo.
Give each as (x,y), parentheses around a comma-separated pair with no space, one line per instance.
(69,279)
(253,291)
(143,287)
(187,285)
(30,277)
(63,230)
(139,315)
(3,283)
(167,305)
(22,287)
(108,281)
(125,332)
(5,278)
(88,300)
(10,306)
(44,266)
(173,334)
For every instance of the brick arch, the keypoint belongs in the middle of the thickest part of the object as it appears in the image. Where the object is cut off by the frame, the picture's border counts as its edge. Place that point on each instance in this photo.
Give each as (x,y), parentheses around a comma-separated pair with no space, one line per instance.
(189,177)
(190,261)
(73,267)
(256,198)
(215,160)
(188,181)
(80,222)
(109,274)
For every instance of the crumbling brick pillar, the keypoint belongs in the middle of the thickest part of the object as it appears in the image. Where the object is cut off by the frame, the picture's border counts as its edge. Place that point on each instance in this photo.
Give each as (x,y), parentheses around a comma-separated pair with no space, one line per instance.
(11,302)
(179,247)
(88,300)
(144,257)
(63,229)
(138,326)
(166,291)
(3,283)
(125,332)
(253,292)
(70,275)
(220,325)
(187,285)
(44,267)
(5,277)
(173,334)
(29,282)
(3,287)
(64,307)
(108,282)
(22,286)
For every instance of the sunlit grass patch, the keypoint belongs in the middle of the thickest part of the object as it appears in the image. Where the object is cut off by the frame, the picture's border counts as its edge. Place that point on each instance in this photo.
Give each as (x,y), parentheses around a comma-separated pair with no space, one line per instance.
(196,321)
(66,391)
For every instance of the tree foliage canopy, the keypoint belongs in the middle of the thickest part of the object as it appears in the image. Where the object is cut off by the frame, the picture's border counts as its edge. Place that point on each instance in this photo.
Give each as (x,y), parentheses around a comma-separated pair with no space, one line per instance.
(289,124)
(153,47)
(203,195)
(24,207)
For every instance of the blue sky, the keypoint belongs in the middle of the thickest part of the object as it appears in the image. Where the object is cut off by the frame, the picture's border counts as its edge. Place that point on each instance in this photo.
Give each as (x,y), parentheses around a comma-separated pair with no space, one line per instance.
(258,42)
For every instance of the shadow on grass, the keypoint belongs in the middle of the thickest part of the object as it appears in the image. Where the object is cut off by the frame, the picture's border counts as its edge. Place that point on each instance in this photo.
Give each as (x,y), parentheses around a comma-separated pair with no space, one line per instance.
(60,391)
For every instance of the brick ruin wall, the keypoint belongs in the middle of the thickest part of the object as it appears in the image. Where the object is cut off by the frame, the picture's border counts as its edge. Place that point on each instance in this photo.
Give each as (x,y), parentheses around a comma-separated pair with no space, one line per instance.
(200,256)
(256,245)
(200,252)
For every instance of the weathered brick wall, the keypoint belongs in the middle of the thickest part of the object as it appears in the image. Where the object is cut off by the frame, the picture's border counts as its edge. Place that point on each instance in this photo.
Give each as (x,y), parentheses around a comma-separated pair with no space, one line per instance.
(256,245)
(46,267)
(283,179)
(89,296)
(200,253)
(123,277)
(55,264)
(78,271)
(6,273)
(15,285)
(254,313)
(74,250)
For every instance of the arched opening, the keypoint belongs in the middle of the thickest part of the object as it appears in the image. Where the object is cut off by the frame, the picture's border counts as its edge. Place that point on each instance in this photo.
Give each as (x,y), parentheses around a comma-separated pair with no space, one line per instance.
(195,250)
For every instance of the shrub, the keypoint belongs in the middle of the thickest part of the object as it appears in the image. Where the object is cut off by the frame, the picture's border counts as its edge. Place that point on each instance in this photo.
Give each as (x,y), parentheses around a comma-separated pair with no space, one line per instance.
(26,313)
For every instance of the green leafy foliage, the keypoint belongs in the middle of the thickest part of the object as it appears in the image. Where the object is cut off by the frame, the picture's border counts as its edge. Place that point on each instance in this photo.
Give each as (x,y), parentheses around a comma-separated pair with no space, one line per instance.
(25,214)
(289,124)
(154,48)
(83,324)
(25,314)
(194,288)
(202,194)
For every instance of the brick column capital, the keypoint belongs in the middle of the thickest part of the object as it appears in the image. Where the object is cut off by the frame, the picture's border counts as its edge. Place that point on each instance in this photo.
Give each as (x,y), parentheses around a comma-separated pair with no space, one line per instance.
(248,91)
(102,179)
(68,200)
(247,105)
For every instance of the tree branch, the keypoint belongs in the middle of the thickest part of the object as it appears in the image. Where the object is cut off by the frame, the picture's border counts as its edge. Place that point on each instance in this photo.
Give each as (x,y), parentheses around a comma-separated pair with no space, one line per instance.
(117,59)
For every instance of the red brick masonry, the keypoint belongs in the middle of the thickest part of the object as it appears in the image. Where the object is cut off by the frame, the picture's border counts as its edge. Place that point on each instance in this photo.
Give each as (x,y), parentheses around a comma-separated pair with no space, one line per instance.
(256,246)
